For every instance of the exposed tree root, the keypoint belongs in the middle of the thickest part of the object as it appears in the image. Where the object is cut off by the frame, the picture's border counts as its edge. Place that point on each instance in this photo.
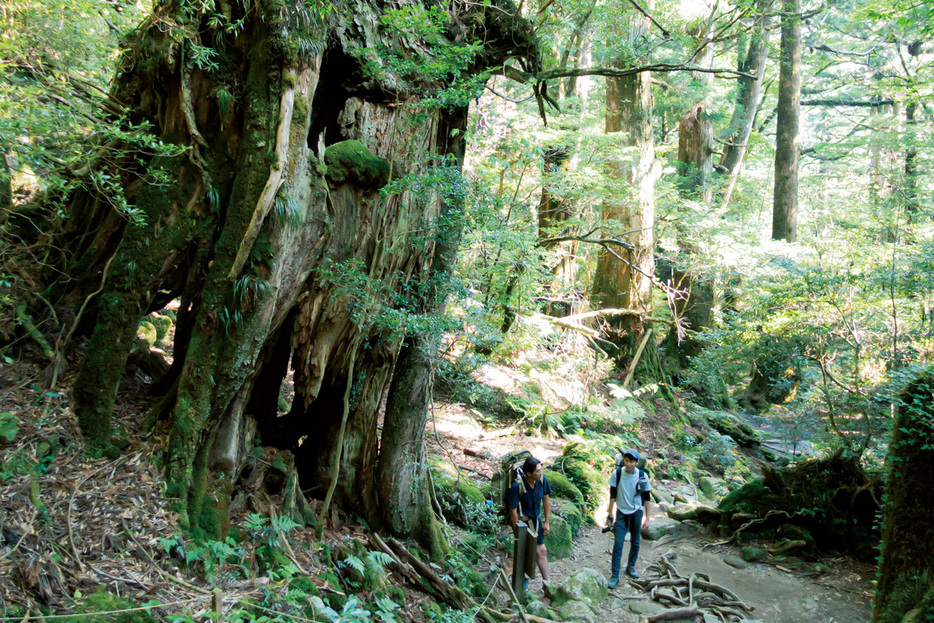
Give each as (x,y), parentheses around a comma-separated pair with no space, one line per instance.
(665,584)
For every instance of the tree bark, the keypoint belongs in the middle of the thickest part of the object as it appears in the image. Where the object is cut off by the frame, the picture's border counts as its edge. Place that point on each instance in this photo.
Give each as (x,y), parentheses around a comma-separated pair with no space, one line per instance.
(785,199)
(747,95)
(627,284)
(905,589)
(402,472)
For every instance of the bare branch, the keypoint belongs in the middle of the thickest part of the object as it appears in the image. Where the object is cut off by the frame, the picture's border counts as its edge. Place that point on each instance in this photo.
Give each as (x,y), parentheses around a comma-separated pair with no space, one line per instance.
(650,18)
(613,72)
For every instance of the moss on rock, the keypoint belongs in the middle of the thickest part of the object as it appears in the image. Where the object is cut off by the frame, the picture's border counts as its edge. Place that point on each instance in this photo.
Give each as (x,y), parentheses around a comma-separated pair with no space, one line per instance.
(456,493)
(352,163)
(569,511)
(562,486)
(558,540)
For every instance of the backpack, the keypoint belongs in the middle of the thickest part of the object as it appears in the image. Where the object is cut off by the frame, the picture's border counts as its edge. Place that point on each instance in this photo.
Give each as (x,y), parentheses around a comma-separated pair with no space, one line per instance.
(643,477)
(508,472)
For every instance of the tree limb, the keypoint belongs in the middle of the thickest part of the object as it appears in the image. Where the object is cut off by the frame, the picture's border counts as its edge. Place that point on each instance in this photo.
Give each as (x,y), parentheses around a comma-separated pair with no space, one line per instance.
(847,102)
(525,77)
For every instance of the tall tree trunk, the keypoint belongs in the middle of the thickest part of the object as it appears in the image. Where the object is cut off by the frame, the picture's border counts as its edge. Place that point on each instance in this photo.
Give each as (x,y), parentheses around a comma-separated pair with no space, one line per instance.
(273,230)
(910,178)
(910,183)
(747,95)
(551,208)
(785,199)
(905,588)
(695,153)
(625,281)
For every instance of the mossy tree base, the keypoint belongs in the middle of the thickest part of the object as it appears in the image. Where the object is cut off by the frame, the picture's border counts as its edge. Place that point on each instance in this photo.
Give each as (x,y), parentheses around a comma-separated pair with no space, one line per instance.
(832,502)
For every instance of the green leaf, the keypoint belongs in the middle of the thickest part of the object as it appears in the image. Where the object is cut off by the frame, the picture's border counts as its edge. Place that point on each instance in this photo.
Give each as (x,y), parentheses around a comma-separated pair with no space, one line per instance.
(8,426)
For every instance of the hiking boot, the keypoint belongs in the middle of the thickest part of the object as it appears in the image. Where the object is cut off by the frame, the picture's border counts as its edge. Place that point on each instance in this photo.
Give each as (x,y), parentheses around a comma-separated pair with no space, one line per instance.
(631,572)
(614,582)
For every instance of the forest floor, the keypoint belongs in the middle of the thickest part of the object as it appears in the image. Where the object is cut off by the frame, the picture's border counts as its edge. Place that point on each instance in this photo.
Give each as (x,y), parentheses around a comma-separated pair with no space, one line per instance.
(102,521)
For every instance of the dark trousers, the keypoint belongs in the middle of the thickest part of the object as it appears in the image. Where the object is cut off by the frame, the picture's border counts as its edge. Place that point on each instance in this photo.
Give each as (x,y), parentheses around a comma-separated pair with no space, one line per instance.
(633,525)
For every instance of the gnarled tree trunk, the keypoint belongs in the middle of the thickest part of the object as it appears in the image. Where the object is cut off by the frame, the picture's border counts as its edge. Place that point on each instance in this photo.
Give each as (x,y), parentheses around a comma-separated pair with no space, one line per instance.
(271,229)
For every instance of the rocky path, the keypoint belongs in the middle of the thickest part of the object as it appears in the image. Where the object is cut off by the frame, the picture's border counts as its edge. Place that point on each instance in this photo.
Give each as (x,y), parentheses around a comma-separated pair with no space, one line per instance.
(841,596)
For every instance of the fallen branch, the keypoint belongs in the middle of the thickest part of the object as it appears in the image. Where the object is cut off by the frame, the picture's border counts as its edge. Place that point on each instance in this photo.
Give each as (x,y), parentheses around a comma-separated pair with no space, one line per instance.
(26,321)
(635,359)
(502,577)
(452,595)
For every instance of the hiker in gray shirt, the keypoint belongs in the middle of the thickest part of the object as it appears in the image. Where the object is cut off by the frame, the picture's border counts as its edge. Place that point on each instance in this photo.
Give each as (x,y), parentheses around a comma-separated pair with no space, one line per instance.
(629,492)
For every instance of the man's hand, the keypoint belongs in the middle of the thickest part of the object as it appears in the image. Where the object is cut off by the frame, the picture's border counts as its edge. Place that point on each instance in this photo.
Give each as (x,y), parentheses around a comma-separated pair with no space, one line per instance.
(546,527)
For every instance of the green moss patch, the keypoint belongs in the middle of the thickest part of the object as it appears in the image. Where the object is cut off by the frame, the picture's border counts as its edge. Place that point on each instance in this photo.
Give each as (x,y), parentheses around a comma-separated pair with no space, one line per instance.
(351,162)
(562,486)
(558,540)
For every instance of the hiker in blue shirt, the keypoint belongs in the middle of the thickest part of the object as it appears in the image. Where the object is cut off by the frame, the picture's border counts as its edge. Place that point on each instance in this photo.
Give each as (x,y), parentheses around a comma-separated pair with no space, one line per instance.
(534,505)
(629,492)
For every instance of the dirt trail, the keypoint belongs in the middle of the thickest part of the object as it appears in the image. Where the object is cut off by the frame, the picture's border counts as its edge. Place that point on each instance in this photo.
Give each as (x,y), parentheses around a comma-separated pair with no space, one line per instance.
(842,596)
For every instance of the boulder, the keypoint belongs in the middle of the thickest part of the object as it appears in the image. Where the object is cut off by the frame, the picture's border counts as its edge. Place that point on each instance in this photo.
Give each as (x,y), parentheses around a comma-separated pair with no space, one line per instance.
(736,562)
(586,585)
(696,511)
(558,540)
(539,609)
(569,511)
(750,553)
(660,495)
(658,527)
(561,486)
(575,610)
(681,512)
(713,488)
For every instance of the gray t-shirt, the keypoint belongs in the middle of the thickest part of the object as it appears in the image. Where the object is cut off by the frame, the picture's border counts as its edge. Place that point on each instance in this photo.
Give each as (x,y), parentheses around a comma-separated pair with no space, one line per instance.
(628,492)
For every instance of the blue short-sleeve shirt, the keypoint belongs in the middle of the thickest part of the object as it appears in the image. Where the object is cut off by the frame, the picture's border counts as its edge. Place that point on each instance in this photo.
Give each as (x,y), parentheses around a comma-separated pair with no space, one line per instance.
(530,498)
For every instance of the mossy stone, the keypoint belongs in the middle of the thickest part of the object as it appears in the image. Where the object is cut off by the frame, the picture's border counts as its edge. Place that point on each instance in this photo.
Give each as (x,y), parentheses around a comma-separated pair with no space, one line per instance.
(576,611)
(147,333)
(455,492)
(352,163)
(103,601)
(713,488)
(558,539)
(751,553)
(305,585)
(569,511)
(590,482)
(587,586)
(562,486)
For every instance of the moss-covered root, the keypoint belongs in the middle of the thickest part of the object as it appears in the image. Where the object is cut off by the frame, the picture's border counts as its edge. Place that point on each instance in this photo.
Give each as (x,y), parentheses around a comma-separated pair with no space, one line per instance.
(905,589)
